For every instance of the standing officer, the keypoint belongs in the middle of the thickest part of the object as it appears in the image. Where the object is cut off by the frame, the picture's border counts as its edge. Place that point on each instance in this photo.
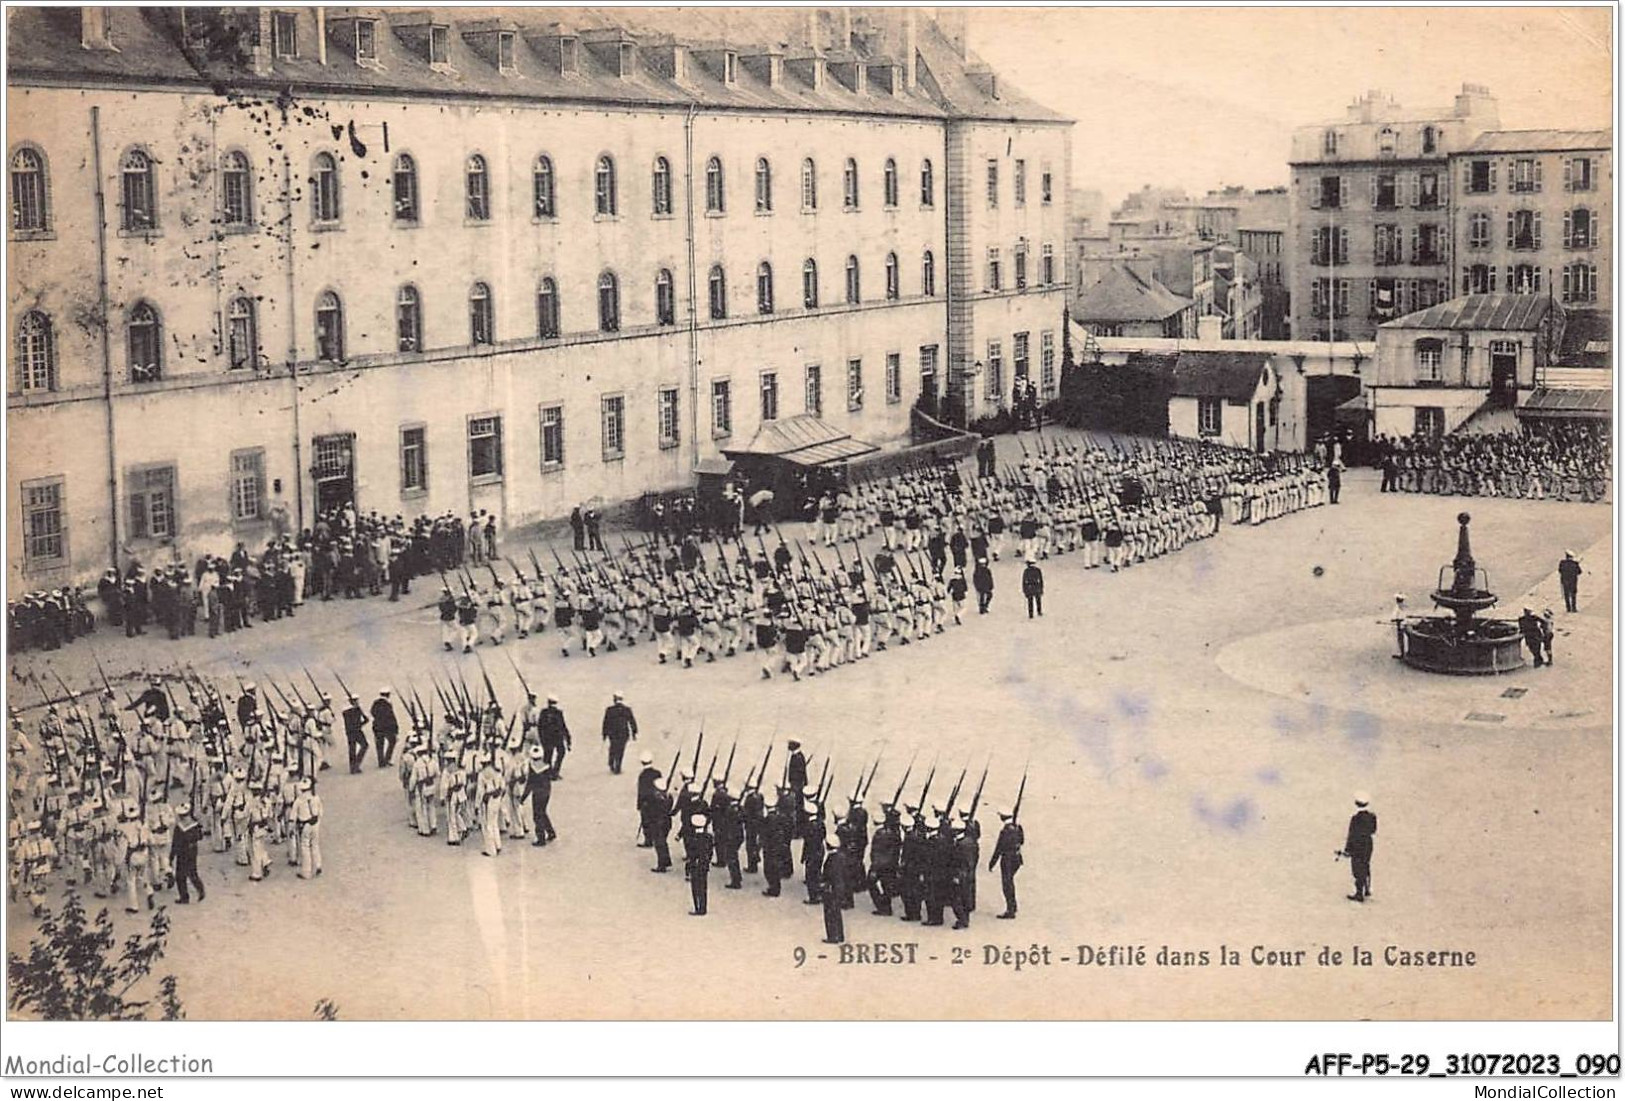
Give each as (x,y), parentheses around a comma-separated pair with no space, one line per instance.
(697,850)
(837,885)
(728,834)
(1357,847)
(777,864)
(795,777)
(385,728)
(620,726)
(183,846)
(554,735)
(1007,856)
(656,818)
(539,789)
(1032,587)
(982,578)
(1568,575)
(449,634)
(753,819)
(355,722)
(646,789)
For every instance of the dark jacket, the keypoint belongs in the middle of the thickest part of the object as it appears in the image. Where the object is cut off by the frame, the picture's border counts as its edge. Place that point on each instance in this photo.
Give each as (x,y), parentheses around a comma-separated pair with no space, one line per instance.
(1362,829)
(1032,581)
(383,717)
(619,723)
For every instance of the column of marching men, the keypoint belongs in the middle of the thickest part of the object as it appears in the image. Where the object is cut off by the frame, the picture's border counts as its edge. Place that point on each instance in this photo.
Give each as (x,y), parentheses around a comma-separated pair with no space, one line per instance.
(124,799)
(939,533)
(922,854)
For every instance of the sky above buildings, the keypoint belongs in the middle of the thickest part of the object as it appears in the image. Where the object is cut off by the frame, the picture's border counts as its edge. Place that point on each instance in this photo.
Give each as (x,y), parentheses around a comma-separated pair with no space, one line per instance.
(1199,97)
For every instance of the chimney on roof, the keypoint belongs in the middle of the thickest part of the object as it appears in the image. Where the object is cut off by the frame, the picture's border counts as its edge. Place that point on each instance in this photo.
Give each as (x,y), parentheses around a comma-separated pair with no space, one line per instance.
(952,23)
(908,47)
(846,42)
(809,69)
(1476,101)
(93,30)
(321,36)
(767,66)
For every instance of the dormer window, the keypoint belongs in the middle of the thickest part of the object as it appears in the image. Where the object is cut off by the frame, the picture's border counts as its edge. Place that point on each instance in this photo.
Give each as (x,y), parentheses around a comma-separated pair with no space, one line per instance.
(567,55)
(366,41)
(505,52)
(1387,141)
(285,34)
(439,46)
(730,68)
(628,60)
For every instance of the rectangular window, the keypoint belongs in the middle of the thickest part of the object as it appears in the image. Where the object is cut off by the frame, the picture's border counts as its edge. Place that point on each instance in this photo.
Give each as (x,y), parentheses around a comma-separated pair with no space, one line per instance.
(1209,416)
(722,412)
(1046,364)
(248,485)
(995,270)
(666,413)
(1578,175)
(1021,182)
(1427,244)
(1046,271)
(152,502)
(1046,187)
(285,34)
(928,375)
(366,40)
(484,447)
(894,377)
(995,370)
(815,390)
(854,385)
(1429,361)
(1480,177)
(505,53)
(1022,349)
(1429,421)
(44,534)
(1427,190)
(414,459)
(1525,175)
(1388,247)
(992,183)
(613,427)
(1384,192)
(770,396)
(1331,192)
(439,39)
(552,437)
(1523,229)
(1478,230)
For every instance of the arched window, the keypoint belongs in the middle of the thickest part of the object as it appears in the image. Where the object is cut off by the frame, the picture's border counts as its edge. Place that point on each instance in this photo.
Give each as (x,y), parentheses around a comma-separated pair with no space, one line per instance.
(889,183)
(329,328)
(547,310)
(481,315)
(665,298)
(713,186)
(30,211)
(764,186)
(478,189)
(928,275)
(809,185)
(603,187)
(764,287)
(717,285)
(609,303)
(404,188)
(541,188)
(661,187)
(854,288)
(146,344)
(324,192)
(809,284)
(1387,141)
(236,190)
(36,353)
(928,184)
(894,287)
(408,319)
(849,185)
(242,336)
(139,191)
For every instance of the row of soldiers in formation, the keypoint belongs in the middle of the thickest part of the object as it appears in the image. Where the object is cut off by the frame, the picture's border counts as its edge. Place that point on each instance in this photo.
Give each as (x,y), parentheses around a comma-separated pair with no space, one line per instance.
(805,615)
(1563,462)
(923,855)
(126,794)
(47,619)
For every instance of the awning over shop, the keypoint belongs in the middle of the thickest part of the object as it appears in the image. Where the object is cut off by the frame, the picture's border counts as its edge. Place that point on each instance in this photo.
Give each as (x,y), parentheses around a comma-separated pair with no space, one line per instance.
(1563,403)
(803,440)
(1353,411)
(720,468)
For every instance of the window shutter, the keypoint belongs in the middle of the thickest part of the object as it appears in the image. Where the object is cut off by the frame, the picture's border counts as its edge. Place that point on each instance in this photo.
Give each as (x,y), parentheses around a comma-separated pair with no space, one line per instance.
(1373,181)
(1314,195)
(1538,166)
(1466,176)
(1568,178)
(1568,230)
(1537,227)
(1414,182)
(1342,246)
(1416,245)
(1567,274)
(1492,175)
(1512,228)
(1343,194)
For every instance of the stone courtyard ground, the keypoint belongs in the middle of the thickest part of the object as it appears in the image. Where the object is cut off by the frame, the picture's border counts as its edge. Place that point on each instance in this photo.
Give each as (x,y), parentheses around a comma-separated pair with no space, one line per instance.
(1195,728)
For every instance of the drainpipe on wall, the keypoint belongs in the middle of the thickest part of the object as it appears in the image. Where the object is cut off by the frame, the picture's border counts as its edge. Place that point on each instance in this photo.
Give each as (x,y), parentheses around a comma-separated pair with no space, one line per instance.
(693,314)
(107,346)
(293,351)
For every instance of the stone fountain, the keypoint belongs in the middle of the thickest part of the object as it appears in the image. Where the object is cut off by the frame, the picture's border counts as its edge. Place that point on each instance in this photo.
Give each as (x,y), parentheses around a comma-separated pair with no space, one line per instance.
(1462,642)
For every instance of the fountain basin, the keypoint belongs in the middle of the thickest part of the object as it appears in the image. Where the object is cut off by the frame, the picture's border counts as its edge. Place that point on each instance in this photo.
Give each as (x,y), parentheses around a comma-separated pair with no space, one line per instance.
(1438,645)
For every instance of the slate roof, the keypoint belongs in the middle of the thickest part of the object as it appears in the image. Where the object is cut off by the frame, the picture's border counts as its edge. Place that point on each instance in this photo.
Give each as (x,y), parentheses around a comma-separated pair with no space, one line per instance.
(1121,295)
(1494,312)
(1564,402)
(805,440)
(1587,339)
(1539,141)
(44,44)
(1229,375)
